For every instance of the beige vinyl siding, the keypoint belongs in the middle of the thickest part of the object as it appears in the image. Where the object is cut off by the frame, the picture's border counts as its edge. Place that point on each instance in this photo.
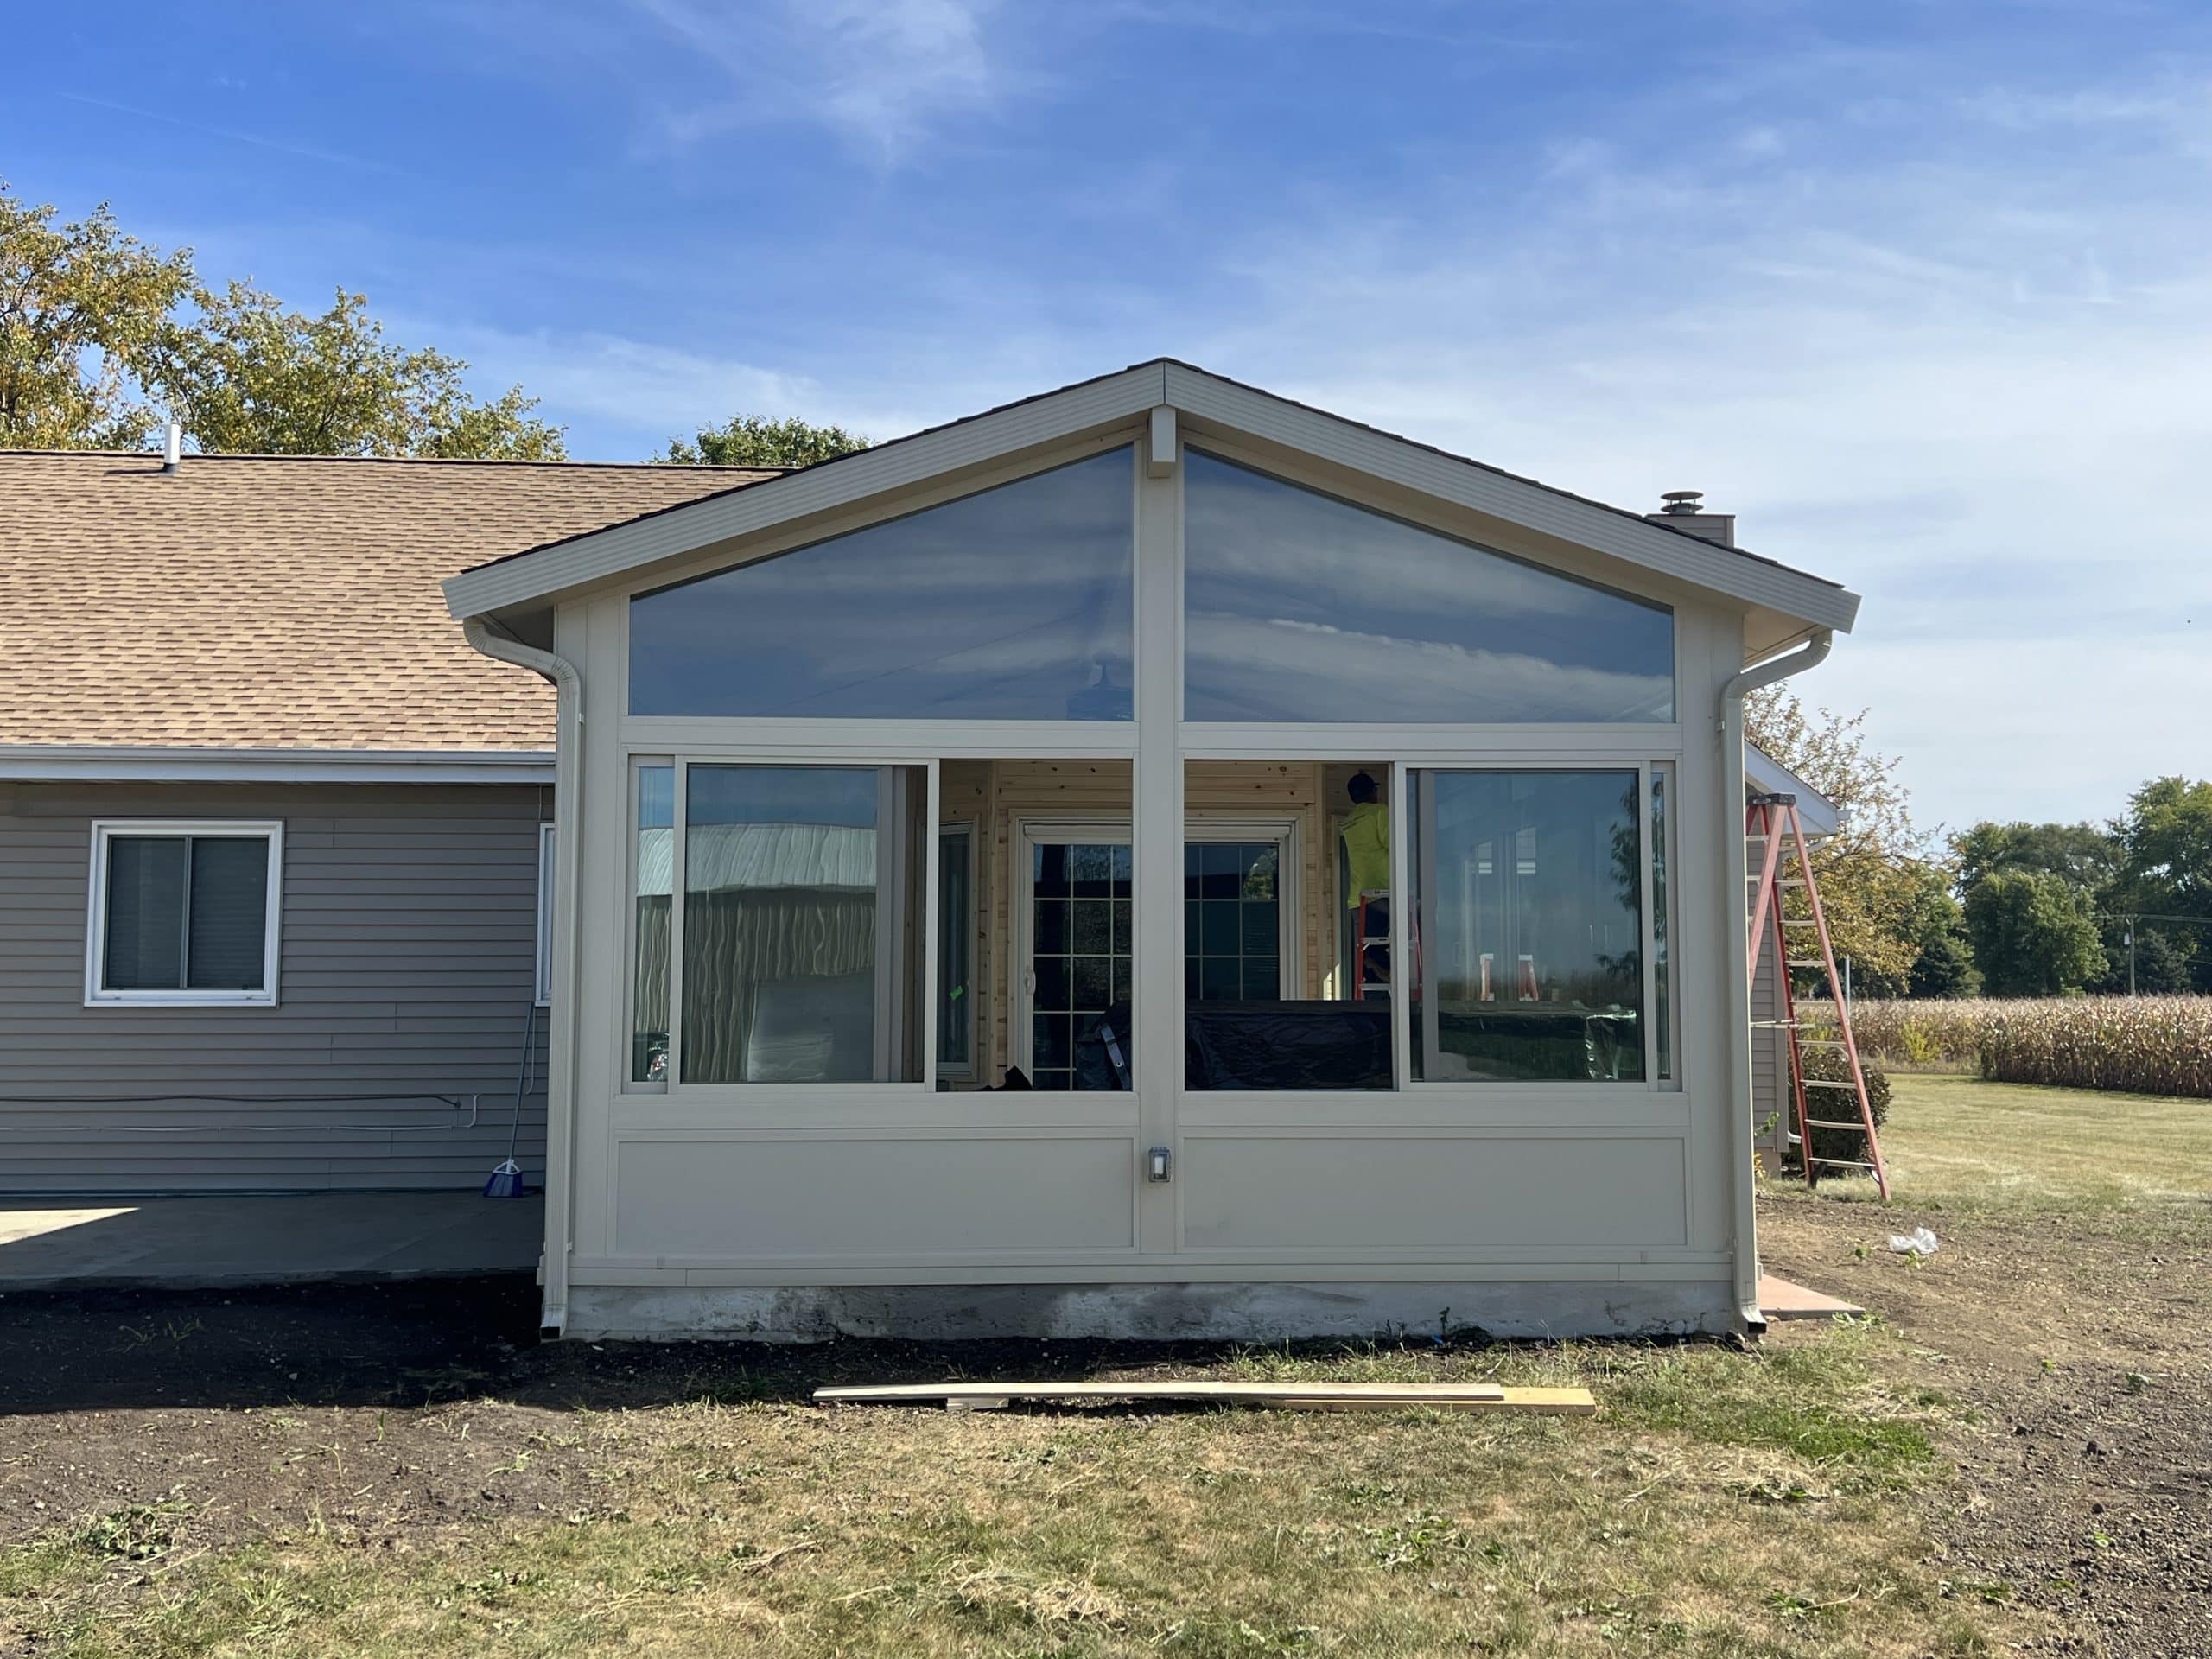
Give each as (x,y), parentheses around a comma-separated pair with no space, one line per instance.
(407,968)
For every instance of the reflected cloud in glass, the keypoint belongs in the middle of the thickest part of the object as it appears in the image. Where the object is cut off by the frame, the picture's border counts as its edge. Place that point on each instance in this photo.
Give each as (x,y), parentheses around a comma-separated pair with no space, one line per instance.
(1302,607)
(1013,604)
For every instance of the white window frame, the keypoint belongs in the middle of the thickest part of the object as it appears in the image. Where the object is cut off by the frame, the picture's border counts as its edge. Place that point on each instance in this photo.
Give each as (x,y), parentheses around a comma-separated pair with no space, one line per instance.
(1421,884)
(545,868)
(1029,833)
(96,994)
(890,899)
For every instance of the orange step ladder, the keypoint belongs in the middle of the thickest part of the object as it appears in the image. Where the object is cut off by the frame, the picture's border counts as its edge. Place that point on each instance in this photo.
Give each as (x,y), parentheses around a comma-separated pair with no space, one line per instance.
(1771,826)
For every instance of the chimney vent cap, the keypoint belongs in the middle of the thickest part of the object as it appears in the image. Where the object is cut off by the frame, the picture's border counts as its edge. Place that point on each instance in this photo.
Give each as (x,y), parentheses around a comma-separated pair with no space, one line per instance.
(1683,501)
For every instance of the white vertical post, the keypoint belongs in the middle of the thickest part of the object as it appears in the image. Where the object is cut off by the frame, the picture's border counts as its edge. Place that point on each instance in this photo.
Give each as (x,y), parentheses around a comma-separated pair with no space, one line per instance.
(1156,853)
(1404,928)
(932,875)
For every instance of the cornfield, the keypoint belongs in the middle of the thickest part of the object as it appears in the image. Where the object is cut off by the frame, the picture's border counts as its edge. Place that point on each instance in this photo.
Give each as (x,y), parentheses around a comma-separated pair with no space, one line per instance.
(2144,1045)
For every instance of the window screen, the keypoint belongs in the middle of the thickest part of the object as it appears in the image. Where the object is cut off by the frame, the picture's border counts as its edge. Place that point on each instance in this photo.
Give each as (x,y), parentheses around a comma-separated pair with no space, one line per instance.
(186,913)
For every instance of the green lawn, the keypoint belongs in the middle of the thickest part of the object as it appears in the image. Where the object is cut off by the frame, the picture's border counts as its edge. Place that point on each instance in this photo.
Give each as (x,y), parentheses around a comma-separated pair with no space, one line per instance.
(1971,1147)
(1724,1503)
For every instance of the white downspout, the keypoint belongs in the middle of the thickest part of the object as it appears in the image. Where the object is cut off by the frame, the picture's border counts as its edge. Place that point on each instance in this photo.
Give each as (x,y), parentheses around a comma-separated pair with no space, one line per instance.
(568,853)
(1741,1148)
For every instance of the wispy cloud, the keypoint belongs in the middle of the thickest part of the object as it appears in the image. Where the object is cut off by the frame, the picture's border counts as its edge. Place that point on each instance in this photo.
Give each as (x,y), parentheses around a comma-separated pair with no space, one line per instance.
(231,135)
(881,74)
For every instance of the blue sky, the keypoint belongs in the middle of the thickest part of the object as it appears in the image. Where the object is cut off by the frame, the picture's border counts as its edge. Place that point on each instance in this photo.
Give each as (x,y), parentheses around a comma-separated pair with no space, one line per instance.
(1922,291)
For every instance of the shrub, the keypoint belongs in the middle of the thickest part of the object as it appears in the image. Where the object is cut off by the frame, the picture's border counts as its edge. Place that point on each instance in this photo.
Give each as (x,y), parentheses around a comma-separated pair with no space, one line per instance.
(1837,1106)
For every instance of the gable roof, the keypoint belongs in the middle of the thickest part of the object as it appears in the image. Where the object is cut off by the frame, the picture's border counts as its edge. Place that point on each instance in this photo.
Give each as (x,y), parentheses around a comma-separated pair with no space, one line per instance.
(1787,603)
(280,602)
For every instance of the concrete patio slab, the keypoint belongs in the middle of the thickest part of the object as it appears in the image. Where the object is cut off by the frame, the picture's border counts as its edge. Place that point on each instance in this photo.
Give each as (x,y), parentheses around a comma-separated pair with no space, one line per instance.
(194,1241)
(1780,1300)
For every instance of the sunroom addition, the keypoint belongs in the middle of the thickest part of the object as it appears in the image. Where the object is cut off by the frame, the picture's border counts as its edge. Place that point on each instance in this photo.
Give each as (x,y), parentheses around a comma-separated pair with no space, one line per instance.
(1208,863)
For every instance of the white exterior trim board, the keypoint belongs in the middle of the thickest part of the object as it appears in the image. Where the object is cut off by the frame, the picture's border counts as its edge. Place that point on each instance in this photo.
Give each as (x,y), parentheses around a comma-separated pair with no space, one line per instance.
(1130,398)
(1499,495)
(97,763)
(922,459)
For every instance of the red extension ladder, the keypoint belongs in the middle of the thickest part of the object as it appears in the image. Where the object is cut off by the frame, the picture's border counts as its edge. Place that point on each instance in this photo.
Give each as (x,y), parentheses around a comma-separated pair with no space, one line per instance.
(1771,829)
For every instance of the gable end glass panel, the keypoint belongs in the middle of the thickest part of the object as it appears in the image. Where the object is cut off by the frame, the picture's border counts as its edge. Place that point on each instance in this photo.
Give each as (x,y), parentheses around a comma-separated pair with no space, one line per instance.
(1012,604)
(1302,607)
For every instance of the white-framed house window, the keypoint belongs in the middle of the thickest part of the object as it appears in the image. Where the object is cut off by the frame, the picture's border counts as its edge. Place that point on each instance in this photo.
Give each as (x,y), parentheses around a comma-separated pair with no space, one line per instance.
(184,911)
(545,995)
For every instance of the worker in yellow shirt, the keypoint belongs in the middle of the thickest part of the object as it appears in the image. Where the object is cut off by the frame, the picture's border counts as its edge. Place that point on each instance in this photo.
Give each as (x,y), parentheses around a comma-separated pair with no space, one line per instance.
(1367,857)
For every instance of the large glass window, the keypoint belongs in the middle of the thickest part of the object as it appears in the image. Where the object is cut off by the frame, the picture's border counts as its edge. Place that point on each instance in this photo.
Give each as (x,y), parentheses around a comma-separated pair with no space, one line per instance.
(1528,892)
(802,900)
(1286,948)
(1013,604)
(184,913)
(655,885)
(956,951)
(1302,607)
(1233,920)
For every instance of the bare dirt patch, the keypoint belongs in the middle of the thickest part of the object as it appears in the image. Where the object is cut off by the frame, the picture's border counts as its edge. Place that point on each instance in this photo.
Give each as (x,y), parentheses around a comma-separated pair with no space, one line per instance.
(2085,1344)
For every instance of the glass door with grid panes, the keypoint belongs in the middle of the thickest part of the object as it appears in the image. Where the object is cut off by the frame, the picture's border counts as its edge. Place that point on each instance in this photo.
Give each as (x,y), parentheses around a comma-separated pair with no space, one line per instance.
(1074,956)
(1073,1029)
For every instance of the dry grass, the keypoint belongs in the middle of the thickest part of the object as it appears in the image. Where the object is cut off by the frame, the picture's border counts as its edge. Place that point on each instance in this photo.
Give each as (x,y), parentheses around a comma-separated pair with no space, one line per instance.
(1723,1502)
(2149,1044)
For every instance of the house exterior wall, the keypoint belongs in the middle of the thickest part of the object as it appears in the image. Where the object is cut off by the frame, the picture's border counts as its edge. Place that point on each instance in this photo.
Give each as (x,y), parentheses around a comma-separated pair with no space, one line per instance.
(743,1208)
(1771,1092)
(407,966)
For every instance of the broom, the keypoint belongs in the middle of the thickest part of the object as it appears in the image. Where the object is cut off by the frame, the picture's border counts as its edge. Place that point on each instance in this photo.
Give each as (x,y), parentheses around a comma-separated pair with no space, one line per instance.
(506,1180)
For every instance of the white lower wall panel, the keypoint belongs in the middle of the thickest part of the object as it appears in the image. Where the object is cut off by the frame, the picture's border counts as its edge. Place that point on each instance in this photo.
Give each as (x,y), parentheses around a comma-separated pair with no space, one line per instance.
(756,1197)
(1369,1193)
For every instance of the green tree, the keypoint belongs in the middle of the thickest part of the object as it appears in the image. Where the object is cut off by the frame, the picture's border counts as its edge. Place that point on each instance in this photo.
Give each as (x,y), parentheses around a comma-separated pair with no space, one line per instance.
(2081,853)
(761,440)
(2161,968)
(1942,964)
(1870,871)
(2033,934)
(81,305)
(2165,867)
(248,377)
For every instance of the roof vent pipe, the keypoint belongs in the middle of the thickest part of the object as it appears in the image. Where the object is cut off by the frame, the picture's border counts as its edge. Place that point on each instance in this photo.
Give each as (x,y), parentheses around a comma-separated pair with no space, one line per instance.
(1684,510)
(173,446)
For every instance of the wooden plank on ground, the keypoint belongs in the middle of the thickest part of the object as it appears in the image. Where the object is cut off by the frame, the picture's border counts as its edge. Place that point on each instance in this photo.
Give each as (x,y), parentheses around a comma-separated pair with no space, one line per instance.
(1303,1396)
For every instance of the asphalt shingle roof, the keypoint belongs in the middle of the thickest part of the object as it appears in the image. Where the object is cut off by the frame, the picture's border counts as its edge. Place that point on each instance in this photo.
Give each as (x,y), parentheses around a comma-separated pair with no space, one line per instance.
(280,601)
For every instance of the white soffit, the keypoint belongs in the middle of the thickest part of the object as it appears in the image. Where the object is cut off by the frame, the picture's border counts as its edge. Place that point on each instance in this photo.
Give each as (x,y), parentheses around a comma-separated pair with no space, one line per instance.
(1094,405)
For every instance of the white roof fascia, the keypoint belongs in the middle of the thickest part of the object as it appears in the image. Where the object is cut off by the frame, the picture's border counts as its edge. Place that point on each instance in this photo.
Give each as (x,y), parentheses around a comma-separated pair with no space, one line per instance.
(1768,776)
(1448,478)
(54,763)
(1100,403)
(975,441)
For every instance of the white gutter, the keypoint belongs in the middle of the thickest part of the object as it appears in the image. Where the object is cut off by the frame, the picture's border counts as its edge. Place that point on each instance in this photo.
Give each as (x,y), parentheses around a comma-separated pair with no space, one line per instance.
(137,763)
(1740,1147)
(561,1048)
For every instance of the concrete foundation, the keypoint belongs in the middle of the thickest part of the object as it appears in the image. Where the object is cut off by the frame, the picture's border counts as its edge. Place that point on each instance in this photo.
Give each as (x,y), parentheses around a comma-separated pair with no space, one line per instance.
(1227,1312)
